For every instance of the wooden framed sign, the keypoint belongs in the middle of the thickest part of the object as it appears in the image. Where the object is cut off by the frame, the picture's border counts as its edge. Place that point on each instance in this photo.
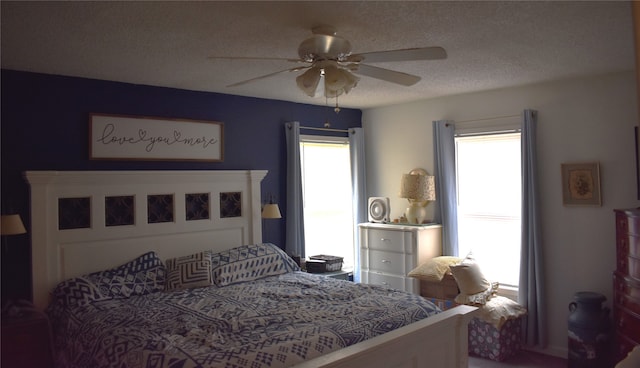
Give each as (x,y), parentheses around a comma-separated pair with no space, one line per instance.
(116,137)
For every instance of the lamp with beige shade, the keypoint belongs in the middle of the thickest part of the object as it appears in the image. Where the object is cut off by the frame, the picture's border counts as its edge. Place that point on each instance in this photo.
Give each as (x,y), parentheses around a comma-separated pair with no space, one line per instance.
(419,188)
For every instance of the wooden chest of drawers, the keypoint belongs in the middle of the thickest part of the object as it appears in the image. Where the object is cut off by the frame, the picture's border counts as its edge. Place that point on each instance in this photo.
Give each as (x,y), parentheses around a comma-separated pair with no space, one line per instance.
(388,252)
(626,282)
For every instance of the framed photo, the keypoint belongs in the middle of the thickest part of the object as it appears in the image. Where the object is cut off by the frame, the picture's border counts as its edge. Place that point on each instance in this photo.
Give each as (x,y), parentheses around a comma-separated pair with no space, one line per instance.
(114,137)
(581,184)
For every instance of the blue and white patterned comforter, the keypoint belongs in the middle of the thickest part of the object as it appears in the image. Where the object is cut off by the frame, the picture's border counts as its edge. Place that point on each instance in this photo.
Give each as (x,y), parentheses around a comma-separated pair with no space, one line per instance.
(277,321)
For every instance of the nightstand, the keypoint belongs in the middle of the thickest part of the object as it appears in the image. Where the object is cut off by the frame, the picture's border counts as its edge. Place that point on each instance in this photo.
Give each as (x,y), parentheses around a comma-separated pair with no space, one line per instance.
(341,275)
(26,339)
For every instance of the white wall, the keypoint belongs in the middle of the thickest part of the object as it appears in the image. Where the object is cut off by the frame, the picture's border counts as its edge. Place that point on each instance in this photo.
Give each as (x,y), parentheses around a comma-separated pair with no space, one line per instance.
(582,120)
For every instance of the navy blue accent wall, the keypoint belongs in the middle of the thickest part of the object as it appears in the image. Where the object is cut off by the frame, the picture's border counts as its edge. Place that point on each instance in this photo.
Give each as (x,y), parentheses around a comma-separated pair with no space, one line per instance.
(44,126)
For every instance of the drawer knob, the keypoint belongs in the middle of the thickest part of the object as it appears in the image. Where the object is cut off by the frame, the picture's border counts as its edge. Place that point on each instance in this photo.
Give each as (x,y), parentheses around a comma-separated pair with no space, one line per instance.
(385,261)
(384,239)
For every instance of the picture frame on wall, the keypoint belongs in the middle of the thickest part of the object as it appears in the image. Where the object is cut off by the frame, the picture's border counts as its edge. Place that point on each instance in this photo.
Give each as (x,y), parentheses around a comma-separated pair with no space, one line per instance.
(581,184)
(119,137)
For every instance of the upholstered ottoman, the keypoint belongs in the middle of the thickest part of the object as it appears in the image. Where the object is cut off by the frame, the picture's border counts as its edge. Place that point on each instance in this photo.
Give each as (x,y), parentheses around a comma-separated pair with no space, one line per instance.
(487,341)
(496,333)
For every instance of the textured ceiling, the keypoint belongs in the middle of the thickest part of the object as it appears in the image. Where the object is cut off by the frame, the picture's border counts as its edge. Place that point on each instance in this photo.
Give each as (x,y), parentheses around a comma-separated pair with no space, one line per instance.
(489,44)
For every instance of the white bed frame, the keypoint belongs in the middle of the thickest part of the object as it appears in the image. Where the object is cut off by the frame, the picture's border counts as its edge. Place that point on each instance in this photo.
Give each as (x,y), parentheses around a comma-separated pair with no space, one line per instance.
(439,341)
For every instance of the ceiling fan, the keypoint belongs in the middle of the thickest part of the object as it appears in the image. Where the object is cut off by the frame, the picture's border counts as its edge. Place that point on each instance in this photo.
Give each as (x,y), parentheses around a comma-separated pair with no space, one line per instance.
(327,58)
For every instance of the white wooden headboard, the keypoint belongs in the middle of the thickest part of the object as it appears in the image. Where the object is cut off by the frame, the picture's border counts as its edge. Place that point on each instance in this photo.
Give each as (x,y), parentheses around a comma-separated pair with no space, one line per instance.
(87,221)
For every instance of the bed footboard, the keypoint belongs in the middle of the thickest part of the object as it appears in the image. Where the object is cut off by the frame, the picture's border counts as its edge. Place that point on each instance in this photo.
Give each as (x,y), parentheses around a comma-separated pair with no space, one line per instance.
(438,341)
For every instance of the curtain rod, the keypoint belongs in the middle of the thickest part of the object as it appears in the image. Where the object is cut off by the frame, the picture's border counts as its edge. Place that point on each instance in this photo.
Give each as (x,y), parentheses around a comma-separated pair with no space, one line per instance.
(326,129)
(493,118)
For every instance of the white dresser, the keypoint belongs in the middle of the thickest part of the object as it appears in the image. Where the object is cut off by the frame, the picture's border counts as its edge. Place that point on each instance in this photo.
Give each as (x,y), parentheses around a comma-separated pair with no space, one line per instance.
(388,252)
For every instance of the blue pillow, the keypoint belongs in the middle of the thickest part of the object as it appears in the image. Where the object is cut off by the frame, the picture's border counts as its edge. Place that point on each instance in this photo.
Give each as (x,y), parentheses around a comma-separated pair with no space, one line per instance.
(143,275)
(250,262)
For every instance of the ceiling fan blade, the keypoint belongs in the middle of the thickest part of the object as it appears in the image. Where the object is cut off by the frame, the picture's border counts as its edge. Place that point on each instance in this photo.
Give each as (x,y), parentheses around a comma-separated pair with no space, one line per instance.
(385,74)
(255,58)
(298,68)
(425,53)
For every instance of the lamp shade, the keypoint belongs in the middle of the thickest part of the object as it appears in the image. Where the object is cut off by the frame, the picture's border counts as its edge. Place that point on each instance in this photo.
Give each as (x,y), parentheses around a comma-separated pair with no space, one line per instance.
(11,225)
(271,211)
(431,188)
(326,78)
(308,81)
(418,187)
(334,78)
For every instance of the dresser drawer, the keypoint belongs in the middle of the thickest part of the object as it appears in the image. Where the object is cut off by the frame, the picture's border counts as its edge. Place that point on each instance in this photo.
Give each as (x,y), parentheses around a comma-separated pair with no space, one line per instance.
(622,252)
(628,222)
(389,240)
(625,301)
(633,267)
(623,345)
(625,285)
(634,245)
(629,265)
(388,262)
(391,281)
(628,324)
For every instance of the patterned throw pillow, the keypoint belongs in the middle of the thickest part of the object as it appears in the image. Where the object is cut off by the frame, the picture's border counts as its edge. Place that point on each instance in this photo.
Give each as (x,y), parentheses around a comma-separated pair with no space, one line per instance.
(77,291)
(189,271)
(250,262)
(474,287)
(143,275)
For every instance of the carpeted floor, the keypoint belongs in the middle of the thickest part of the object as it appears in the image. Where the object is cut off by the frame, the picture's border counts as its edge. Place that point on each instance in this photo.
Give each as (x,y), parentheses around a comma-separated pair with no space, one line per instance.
(524,359)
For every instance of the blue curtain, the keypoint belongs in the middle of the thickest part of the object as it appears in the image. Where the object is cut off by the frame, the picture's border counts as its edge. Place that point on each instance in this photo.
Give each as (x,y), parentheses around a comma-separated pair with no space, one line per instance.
(446,211)
(358,191)
(294,235)
(530,291)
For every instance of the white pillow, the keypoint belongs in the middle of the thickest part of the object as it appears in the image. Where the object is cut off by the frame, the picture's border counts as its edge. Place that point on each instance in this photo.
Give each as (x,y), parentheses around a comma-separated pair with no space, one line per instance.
(474,286)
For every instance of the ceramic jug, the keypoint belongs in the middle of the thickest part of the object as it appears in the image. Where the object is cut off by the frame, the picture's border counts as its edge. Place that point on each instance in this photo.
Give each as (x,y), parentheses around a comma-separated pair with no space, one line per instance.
(589,331)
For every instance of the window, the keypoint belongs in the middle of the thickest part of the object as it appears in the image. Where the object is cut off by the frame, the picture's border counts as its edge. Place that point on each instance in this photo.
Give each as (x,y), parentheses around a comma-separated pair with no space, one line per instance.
(489,203)
(326,190)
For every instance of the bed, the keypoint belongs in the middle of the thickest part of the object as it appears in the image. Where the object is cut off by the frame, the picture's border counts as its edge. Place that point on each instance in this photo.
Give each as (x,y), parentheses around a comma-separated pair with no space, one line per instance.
(107,245)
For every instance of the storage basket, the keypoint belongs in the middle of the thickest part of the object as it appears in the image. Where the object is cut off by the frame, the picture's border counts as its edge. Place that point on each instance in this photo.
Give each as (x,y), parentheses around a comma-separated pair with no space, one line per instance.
(326,263)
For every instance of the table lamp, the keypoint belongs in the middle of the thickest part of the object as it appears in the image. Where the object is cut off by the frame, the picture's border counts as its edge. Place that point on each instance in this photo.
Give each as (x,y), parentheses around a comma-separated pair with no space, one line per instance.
(418,188)
(270,211)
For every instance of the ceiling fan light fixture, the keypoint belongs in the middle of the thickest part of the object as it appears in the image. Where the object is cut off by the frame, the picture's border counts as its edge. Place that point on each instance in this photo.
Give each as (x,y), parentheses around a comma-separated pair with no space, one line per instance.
(334,78)
(338,81)
(309,80)
(352,81)
(326,78)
